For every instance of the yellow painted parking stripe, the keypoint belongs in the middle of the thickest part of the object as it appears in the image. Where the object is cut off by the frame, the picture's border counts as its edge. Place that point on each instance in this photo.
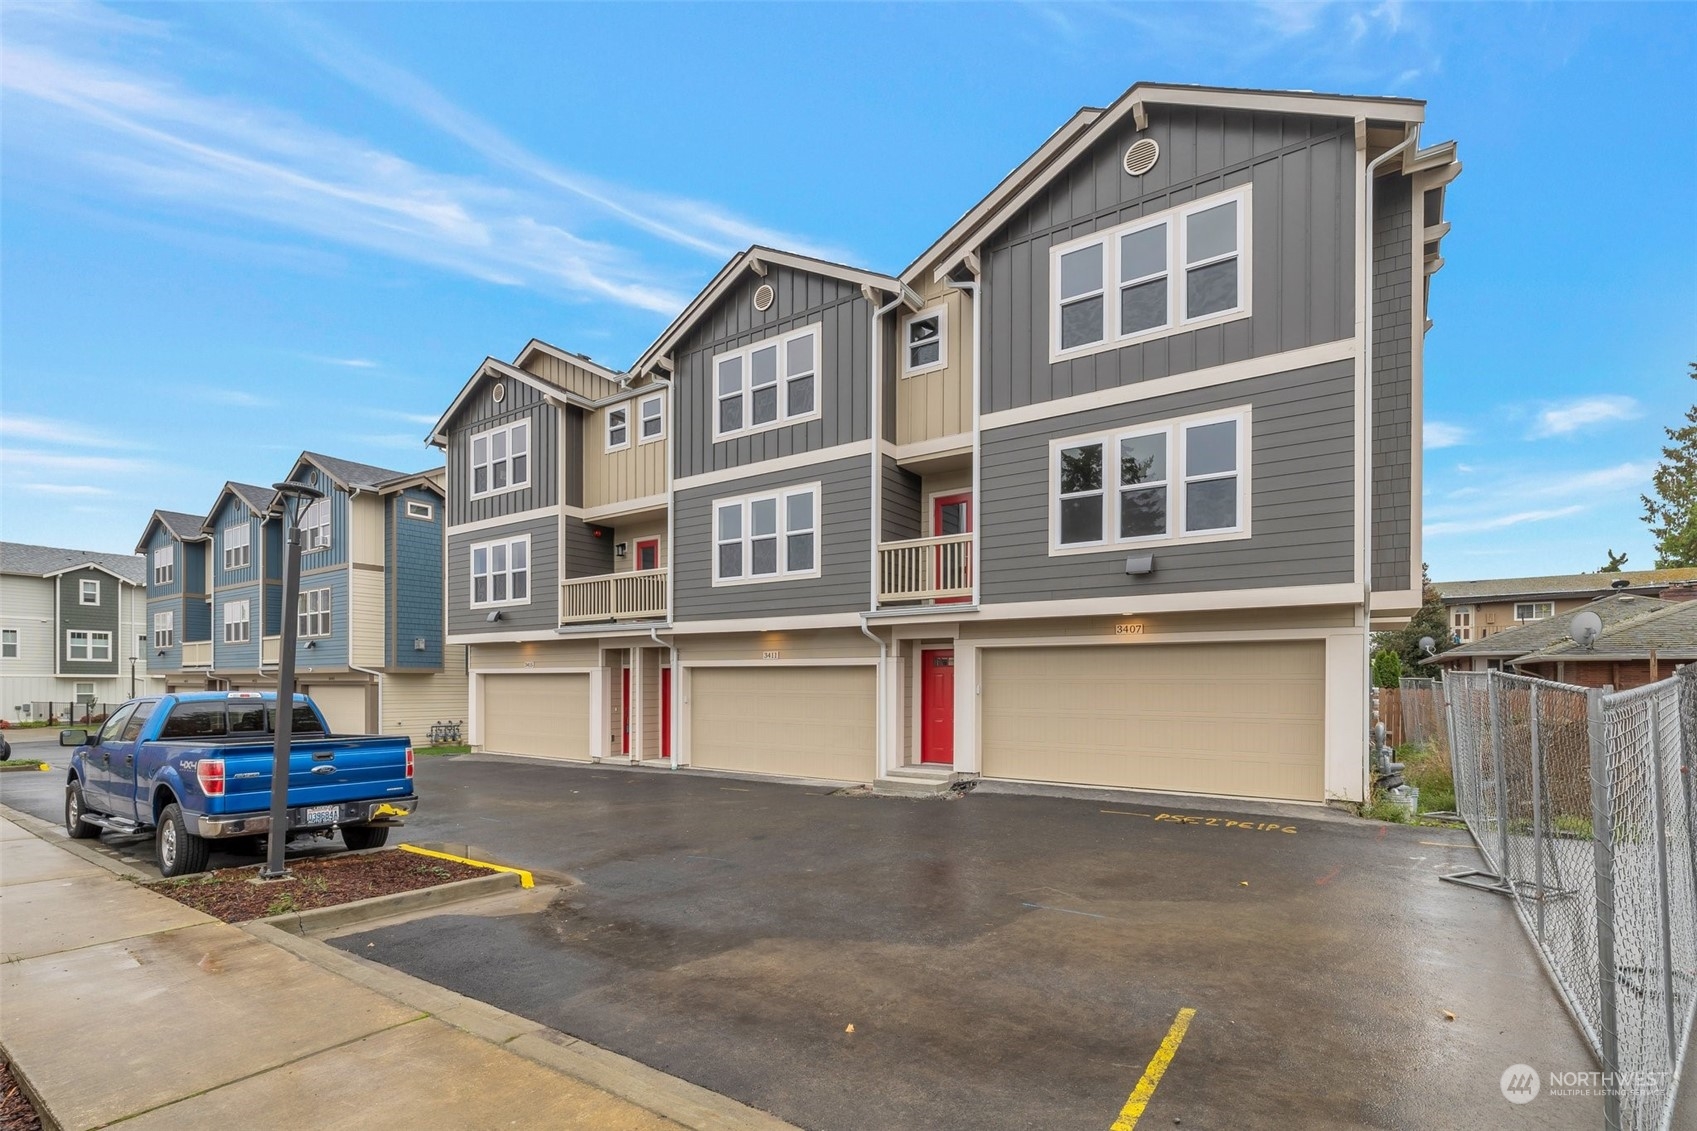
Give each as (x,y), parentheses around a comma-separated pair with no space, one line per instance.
(525,878)
(1145,1090)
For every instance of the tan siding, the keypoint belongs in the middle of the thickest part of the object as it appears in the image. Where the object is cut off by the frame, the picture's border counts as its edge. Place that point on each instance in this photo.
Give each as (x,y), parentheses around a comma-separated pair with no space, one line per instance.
(938,403)
(751,647)
(790,721)
(636,471)
(536,654)
(1492,617)
(412,703)
(367,607)
(1222,620)
(345,706)
(566,375)
(635,532)
(650,701)
(365,514)
(539,714)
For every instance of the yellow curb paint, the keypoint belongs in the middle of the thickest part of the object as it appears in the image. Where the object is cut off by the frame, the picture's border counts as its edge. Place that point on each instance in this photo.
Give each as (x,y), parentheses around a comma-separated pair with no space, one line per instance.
(1145,1090)
(44,767)
(525,878)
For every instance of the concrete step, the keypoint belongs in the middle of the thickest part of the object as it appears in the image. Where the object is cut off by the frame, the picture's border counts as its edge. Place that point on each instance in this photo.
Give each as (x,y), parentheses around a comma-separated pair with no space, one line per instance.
(912,785)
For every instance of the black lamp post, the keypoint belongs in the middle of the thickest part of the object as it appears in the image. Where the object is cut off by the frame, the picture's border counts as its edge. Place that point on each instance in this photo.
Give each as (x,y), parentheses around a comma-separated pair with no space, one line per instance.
(292,501)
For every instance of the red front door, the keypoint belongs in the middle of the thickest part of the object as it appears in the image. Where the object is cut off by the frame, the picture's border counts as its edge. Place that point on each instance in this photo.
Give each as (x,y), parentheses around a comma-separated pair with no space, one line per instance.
(937,706)
(665,712)
(624,713)
(952,514)
(648,554)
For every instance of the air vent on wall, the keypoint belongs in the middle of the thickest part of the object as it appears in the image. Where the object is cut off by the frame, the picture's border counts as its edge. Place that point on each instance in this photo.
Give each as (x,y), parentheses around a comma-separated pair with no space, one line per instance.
(499,392)
(763,296)
(1142,155)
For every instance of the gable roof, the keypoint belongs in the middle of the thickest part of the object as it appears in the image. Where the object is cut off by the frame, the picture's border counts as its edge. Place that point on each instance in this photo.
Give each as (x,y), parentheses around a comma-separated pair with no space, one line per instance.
(1544,636)
(727,278)
(1560,585)
(351,476)
(1668,627)
(581,360)
(258,500)
(178,524)
(28,560)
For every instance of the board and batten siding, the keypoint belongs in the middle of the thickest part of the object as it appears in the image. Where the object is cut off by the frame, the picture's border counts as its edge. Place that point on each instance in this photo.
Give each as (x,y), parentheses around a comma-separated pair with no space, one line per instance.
(232,514)
(1302,490)
(1393,383)
(937,403)
(543,611)
(343,523)
(801,298)
(569,375)
(159,539)
(845,522)
(479,413)
(635,471)
(1302,264)
(101,617)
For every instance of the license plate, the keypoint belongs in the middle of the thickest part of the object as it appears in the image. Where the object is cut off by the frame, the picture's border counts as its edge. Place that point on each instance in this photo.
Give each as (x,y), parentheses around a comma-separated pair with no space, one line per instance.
(323,814)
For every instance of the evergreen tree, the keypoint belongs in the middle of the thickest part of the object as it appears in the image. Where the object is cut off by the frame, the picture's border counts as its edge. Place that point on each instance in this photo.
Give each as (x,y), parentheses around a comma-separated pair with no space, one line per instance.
(1615,562)
(1432,619)
(1672,512)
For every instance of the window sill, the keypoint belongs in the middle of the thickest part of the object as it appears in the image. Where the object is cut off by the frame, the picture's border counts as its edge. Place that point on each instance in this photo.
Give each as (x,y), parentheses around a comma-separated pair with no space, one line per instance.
(1150,544)
(732,583)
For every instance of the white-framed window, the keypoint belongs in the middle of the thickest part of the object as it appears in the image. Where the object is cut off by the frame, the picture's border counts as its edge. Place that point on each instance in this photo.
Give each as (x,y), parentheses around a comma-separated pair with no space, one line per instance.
(500,572)
(237,628)
(85,692)
(772,536)
(925,341)
(314,616)
(651,418)
(88,591)
(768,384)
(8,643)
(165,628)
(315,526)
(500,459)
(1534,610)
(164,565)
(417,509)
(86,645)
(618,427)
(238,550)
(1176,270)
(1182,480)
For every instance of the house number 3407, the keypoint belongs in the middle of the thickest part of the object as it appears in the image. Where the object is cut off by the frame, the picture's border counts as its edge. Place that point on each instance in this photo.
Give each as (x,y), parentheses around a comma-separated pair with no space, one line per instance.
(1133,629)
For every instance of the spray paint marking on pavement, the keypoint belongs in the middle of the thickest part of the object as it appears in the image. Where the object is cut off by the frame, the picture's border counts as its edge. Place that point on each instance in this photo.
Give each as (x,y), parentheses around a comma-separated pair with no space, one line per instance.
(1145,1090)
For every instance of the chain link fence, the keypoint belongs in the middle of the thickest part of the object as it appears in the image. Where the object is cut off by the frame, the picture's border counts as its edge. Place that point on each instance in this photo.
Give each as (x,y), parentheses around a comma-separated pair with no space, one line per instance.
(1582,804)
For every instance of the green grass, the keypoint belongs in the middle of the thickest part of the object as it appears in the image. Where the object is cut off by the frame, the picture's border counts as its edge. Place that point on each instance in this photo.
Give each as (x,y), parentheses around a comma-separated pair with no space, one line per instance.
(27,764)
(1428,771)
(434,750)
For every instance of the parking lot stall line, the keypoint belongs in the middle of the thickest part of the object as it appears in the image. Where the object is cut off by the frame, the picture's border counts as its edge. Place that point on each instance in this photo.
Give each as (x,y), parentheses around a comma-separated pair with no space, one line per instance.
(1145,1090)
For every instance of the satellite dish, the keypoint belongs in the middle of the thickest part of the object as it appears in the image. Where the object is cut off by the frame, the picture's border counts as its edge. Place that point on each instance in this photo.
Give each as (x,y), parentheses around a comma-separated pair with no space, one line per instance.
(1428,646)
(1620,583)
(1584,627)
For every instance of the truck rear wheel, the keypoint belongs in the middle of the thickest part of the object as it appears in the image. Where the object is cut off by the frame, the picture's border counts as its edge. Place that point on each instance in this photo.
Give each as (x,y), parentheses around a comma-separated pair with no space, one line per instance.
(357,837)
(180,852)
(78,828)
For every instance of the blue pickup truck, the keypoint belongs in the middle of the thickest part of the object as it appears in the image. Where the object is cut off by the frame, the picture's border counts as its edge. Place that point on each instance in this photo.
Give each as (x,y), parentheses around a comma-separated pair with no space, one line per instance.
(196,767)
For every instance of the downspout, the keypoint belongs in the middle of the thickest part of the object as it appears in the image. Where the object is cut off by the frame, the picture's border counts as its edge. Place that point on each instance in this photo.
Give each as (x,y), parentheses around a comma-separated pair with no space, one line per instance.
(883,661)
(672,693)
(977,559)
(876,532)
(1367,427)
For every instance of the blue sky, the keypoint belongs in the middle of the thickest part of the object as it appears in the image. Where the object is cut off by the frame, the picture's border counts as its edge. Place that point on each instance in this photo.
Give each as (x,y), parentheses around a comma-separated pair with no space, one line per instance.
(233,232)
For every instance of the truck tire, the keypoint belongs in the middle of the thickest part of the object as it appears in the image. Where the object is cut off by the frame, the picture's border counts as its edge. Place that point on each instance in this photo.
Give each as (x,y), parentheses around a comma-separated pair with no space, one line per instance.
(180,852)
(75,826)
(357,837)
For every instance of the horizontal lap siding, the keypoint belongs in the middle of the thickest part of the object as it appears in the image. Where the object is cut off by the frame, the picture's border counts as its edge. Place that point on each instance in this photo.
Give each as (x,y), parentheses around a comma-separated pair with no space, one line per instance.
(901,504)
(845,525)
(101,617)
(1301,497)
(543,612)
(1302,249)
(480,413)
(1393,383)
(326,651)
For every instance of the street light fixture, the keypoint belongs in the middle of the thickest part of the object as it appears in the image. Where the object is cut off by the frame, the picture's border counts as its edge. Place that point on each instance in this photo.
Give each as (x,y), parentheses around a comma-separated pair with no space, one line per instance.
(292,501)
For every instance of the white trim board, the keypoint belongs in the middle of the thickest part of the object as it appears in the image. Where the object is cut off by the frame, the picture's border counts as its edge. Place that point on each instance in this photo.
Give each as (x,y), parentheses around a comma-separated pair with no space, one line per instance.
(782,463)
(514,519)
(1341,593)
(766,624)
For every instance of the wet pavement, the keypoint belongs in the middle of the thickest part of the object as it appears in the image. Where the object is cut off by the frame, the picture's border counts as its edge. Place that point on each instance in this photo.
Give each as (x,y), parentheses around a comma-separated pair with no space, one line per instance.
(1006,961)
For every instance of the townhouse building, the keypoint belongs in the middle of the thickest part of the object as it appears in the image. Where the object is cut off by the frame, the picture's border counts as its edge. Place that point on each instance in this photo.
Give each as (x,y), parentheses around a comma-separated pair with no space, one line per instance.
(71,624)
(371,647)
(1107,488)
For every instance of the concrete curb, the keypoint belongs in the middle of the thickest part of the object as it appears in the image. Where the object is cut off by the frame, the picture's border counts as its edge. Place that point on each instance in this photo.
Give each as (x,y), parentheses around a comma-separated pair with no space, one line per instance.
(384,906)
(77,848)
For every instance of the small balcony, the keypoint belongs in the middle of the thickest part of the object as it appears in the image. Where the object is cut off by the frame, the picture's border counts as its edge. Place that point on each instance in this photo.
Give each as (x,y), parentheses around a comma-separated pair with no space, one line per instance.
(637,595)
(197,654)
(926,569)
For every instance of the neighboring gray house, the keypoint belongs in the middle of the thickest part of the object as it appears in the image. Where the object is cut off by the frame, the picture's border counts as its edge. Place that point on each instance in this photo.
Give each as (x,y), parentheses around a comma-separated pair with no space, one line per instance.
(72,629)
(1108,487)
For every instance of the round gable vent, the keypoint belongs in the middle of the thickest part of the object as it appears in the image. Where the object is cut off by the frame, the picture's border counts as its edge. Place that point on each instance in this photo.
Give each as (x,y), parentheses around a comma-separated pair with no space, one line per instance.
(763,296)
(1142,155)
(499,392)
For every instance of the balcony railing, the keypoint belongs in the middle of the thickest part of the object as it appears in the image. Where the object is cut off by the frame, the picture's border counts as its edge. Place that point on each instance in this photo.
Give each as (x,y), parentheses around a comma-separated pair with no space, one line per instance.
(639,595)
(270,650)
(925,569)
(197,654)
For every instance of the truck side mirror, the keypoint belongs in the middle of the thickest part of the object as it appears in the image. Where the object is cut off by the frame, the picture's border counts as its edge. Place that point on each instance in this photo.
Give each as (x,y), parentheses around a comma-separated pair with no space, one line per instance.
(73,738)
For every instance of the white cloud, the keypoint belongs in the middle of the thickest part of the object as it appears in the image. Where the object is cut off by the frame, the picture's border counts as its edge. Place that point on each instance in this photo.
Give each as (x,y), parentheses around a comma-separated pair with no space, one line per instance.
(64,489)
(405,417)
(1570,416)
(1498,522)
(1437,434)
(41,429)
(236,398)
(56,463)
(344,362)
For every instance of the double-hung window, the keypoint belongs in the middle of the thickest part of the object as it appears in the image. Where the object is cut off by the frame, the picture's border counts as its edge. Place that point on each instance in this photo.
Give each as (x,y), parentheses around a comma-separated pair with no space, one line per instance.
(1534,610)
(164,565)
(770,383)
(924,342)
(618,428)
(237,622)
(500,572)
(766,537)
(1165,481)
(1179,269)
(9,643)
(500,459)
(88,646)
(238,552)
(88,591)
(164,628)
(314,613)
(315,526)
(651,413)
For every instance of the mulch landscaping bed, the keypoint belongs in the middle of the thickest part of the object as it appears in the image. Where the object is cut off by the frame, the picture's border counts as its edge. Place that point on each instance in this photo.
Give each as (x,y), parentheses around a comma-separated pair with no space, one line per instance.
(16,1114)
(231,894)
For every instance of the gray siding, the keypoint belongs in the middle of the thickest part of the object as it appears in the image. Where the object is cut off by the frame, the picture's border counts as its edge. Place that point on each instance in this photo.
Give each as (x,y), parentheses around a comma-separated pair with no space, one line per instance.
(480,412)
(1302,468)
(902,516)
(844,363)
(1302,262)
(576,420)
(587,555)
(1393,382)
(844,584)
(93,618)
(543,612)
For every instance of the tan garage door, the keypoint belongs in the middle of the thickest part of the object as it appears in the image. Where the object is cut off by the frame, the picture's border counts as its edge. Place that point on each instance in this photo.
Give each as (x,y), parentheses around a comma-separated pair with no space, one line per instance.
(544,715)
(1245,720)
(793,721)
(342,705)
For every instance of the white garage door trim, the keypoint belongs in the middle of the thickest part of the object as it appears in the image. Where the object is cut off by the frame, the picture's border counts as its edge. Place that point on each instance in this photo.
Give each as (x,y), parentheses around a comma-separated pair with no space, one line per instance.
(832,761)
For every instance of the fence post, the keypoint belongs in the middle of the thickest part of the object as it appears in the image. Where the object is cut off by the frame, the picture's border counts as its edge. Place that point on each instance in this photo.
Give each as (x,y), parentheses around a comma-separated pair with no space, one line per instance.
(1537,817)
(1502,785)
(1601,838)
(1664,892)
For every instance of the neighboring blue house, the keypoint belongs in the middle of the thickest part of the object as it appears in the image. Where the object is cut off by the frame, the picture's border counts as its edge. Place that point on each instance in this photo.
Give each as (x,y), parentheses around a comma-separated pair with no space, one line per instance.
(371,650)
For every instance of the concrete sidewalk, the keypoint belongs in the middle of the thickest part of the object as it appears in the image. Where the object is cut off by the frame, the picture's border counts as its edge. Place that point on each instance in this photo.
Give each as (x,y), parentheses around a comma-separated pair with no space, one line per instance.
(117,1003)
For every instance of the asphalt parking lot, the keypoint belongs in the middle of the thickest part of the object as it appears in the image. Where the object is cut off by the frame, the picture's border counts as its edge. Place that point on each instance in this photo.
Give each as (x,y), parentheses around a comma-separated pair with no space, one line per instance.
(1006,961)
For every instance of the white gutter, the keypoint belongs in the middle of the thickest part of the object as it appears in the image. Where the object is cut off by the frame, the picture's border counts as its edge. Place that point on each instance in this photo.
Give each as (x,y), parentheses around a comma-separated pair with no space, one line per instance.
(977,436)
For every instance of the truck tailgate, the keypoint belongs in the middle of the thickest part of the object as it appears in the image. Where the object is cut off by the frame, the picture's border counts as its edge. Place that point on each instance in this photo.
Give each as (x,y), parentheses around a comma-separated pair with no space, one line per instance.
(322,771)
